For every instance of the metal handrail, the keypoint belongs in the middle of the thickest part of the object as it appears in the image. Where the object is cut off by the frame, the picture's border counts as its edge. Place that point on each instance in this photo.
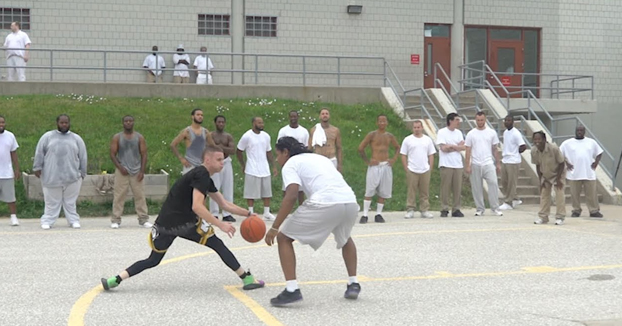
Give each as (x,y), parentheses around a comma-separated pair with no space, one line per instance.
(424,111)
(392,86)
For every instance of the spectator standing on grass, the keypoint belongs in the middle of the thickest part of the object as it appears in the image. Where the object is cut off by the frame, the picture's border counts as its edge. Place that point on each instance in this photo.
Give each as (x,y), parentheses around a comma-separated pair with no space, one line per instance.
(9,169)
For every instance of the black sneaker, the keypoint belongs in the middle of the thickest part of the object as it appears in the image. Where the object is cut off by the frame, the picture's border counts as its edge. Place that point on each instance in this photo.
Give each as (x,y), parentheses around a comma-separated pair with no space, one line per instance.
(286,297)
(353,291)
(228,218)
(596,214)
(378,219)
(363,220)
(444,213)
(457,213)
(575,214)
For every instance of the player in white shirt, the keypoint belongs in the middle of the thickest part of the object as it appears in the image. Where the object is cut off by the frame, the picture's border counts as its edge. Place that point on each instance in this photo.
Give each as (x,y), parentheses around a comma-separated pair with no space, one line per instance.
(16,59)
(9,169)
(481,154)
(256,169)
(154,64)
(330,208)
(450,141)
(582,156)
(298,132)
(204,66)
(418,160)
(513,146)
(181,61)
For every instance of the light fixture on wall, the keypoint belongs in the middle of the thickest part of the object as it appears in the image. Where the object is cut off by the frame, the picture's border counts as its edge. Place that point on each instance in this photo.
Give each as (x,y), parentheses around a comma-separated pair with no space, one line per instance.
(355,9)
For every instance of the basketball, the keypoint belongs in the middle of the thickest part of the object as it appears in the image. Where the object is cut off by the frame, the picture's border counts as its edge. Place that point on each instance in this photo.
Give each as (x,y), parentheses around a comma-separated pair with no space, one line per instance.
(253,229)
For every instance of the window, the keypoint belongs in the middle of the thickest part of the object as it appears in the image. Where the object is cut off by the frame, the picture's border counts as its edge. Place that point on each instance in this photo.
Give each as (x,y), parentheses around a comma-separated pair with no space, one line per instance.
(9,15)
(213,24)
(261,26)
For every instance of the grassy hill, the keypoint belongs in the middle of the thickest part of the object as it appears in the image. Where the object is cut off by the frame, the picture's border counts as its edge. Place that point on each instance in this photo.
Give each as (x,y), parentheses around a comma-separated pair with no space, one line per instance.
(97,119)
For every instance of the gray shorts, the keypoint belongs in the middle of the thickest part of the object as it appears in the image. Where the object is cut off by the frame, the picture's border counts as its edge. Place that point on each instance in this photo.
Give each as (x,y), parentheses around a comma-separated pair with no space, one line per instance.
(7,190)
(312,223)
(256,187)
(379,180)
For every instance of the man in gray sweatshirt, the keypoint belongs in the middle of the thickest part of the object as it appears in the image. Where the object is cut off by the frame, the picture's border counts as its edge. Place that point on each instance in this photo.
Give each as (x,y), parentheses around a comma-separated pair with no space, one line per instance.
(60,162)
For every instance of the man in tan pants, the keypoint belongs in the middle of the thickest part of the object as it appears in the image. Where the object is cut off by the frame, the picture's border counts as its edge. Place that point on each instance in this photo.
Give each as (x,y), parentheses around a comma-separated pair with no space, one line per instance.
(549,162)
(513,146)
(450,141)
(582,157)
(418,159)
(128,152)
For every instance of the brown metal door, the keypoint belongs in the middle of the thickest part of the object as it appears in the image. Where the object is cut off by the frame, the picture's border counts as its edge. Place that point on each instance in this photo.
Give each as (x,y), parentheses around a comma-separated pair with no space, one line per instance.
(506,60)
(436,50)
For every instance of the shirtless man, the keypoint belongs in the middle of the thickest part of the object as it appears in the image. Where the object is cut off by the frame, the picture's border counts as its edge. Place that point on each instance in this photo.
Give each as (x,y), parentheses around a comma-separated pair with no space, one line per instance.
(194,137)
(223,180)
(326,140)
(379,179)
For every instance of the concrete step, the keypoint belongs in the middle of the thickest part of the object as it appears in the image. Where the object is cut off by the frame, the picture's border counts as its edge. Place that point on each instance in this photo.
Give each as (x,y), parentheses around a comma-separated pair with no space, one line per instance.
(535,200)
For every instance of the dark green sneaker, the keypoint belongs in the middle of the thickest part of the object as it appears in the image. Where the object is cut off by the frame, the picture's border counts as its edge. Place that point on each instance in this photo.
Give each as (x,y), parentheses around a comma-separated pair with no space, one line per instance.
(250,283)
(286,297)
(109,283)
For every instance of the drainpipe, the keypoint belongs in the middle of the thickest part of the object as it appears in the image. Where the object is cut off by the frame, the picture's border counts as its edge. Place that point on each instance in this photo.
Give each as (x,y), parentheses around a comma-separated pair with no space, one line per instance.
(238,31)
(457,42)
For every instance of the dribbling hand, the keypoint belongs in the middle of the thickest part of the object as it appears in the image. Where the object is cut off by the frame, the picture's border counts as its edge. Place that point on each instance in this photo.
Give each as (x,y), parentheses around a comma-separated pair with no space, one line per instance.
(227,228)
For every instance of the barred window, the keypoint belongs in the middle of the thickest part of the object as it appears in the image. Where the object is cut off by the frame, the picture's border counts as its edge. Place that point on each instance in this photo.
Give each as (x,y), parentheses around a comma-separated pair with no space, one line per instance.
(9,15)
(213,24)
(263,26)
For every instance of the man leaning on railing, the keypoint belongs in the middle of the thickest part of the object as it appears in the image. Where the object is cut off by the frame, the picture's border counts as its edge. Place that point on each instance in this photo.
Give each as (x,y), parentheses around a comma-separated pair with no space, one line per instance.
(16,59)
(154,64)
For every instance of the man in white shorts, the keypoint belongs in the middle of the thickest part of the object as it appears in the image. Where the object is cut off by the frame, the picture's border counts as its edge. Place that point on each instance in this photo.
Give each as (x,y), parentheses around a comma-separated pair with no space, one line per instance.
(418,160)
(9,169)
(204,67)
(298,132)
(256,170)
(16,59)
(330,208)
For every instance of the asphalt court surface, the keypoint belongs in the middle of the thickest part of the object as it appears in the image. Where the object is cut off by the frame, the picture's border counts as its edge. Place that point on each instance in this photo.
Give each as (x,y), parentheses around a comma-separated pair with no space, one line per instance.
(442,271)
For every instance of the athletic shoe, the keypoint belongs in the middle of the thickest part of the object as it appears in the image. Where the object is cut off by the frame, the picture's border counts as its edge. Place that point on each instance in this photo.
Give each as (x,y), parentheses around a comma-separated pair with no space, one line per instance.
(228,218)
(147,225)
(269,217)
(363,220)
(559,221)
(497,212)
(505,207)
(444,213)
(353,291)
(286,297)
(109,283)
(575,214)
(457,213)
(540,221)
(426,215)
(45,226)
(516,202)
(114,225)
(250,283)
(479,213)
(14,221)
(595,214)
(409,214)
(378,218)
(75,225)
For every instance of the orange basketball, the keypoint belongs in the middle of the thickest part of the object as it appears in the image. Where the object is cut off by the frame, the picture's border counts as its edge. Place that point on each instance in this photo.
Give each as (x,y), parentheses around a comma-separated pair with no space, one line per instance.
(253,229)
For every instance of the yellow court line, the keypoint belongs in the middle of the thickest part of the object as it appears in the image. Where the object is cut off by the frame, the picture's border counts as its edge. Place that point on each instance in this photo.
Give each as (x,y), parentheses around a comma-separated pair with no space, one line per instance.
(79,309)
(255,307)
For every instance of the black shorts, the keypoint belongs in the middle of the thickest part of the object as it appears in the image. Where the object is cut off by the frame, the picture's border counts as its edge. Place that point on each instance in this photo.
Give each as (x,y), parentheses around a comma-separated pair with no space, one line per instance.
(160,239)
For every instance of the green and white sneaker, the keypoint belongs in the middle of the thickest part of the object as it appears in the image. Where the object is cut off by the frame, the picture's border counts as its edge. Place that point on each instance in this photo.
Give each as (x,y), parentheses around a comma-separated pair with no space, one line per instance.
(250,283)
(109,283)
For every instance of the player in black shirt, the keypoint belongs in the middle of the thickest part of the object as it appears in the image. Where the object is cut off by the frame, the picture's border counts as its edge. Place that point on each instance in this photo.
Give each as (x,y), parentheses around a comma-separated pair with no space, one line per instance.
(184,215)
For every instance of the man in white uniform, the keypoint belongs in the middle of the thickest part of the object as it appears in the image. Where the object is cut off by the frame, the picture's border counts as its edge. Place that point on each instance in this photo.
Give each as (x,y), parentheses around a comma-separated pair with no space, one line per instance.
(296,131)
(582,156)
(16,59)
(181,61)
(418,160)
(9,169)
(154,63)
(481,154)
(256,169)
(513,146)
(451,142)
(204,66)
(331,208)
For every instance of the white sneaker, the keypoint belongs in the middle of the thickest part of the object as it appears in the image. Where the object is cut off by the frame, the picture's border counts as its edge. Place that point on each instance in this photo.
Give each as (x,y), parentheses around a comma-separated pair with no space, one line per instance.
(539,221)
(45,226)
(14,221)
(479,213)
(269,217)
(114,225)
(497,212)
(75,225)
(147,225)
(516,202)
(426,215)
(505,207)
(410,214)
(559,221)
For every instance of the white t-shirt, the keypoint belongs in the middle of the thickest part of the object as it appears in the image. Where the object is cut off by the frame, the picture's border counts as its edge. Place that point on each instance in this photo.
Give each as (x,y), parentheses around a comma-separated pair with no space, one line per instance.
(8,144)
(581,153)
(417,150)
(150,62)
(16,40)
(256,146)
(512,140)
(481,142)
(200,64)
(301,134)
(317,177)
(181,69)
(448,137)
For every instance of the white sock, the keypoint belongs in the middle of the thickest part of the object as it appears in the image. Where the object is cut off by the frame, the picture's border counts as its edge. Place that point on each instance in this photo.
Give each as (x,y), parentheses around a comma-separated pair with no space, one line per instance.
(379,208)
(291,286)
(13,215)
(250,209)
(366,204)
(352,279)
(266,210)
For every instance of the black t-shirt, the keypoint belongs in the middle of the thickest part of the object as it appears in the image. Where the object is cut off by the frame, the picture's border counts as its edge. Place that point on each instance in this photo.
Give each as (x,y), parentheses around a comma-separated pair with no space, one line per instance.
(177,208)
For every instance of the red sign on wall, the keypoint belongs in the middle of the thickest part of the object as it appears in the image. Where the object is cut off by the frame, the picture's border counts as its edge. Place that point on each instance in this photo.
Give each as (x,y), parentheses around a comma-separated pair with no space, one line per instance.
(414,59)
(506,81)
